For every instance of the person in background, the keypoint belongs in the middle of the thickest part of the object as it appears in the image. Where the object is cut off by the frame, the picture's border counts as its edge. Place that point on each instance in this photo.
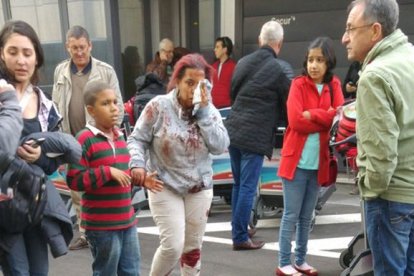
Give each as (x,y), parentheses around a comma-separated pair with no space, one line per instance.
(351,80)
(349,89)
(385,131)
(70,78)
(179,52)
(20,58)
(103,175)
(162,64)
(305,153)
(224,67)
(132,69)
(178,167)
(258,94)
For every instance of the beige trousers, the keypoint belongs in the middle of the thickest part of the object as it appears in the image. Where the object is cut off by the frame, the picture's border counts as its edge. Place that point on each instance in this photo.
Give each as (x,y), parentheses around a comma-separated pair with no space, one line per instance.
(76,198)
(181,221)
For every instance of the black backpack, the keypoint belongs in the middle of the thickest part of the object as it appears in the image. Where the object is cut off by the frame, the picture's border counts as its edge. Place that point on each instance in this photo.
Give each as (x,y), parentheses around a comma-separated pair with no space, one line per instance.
(148,86)
(27,183)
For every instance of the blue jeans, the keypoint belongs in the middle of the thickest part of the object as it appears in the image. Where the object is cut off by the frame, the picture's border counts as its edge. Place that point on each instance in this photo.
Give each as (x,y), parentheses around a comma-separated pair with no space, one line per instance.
(246,167)
(299,198)
(390,232)
(29,255)
(115,252)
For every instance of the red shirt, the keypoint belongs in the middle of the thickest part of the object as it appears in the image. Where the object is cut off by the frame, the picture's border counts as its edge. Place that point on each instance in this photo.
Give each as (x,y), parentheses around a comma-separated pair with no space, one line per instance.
(303,95)
(222,83)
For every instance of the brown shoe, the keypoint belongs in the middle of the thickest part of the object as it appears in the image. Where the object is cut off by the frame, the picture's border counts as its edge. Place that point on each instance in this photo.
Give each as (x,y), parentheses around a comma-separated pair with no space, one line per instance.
(354,191)
(248,245)
(79,243)
(251,232)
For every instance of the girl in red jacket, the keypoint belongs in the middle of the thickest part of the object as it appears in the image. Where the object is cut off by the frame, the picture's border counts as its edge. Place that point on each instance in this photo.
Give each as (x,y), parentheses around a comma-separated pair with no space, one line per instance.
(305,154)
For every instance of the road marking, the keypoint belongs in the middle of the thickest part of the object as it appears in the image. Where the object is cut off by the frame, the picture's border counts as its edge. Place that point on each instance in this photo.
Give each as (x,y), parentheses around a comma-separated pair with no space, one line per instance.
(318,247)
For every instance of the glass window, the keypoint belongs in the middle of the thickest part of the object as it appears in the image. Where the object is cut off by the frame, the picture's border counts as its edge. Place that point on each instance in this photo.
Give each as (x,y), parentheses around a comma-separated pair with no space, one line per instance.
(207,31)
(206,24)
(90,14)
(131,22)
(43,16)
(1,14)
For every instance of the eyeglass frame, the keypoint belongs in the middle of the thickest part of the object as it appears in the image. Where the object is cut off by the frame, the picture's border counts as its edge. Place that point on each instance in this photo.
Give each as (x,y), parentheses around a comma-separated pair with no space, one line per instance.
(348,30)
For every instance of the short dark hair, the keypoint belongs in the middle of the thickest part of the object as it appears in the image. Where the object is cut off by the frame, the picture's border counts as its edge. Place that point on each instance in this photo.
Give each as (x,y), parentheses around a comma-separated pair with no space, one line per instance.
(326,45)
(226,43)
(77,32)
(92,89)
(24,29)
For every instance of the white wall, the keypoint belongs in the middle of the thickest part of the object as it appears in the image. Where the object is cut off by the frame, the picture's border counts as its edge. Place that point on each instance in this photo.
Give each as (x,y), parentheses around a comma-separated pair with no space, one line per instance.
(227,19)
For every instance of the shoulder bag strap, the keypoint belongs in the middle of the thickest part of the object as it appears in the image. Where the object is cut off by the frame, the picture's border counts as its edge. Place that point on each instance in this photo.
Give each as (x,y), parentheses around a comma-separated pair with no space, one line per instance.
(331,93)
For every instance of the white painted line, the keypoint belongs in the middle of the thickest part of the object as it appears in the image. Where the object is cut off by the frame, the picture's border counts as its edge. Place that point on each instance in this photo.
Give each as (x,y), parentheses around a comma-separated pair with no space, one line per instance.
(318,247)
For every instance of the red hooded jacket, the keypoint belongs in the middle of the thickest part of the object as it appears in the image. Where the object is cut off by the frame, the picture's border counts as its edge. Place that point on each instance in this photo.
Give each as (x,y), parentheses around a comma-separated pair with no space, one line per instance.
(303,95)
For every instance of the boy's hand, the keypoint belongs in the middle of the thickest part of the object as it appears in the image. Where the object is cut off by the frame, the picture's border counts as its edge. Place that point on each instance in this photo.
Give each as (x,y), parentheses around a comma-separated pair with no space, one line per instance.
(152,183)
(138,176)
(121,177)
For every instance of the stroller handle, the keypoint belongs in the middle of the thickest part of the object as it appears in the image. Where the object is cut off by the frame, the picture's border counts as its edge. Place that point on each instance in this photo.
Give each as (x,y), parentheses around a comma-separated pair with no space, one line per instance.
(350,139)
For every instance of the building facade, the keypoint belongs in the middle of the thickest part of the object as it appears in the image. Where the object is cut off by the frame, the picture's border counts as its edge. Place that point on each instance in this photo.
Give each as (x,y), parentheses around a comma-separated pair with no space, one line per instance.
(125,33)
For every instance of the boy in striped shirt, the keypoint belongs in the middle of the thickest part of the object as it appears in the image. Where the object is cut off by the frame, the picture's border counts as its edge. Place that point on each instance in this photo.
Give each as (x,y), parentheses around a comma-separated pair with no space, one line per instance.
(102,174)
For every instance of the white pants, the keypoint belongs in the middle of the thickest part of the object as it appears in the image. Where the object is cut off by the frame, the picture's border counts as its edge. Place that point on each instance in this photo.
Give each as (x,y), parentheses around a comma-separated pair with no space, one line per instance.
(181,221)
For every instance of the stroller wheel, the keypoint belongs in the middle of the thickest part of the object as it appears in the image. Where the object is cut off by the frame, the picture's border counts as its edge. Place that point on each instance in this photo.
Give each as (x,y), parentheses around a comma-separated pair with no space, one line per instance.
(345,258)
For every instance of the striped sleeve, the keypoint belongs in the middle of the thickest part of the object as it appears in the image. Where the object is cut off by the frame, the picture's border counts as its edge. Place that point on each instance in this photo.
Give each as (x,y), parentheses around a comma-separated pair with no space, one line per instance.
(83,176)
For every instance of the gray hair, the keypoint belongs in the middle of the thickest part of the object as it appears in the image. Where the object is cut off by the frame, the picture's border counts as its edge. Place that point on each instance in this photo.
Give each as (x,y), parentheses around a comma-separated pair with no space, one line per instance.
(165,41)
(77,32)
(271,32)
(385,12)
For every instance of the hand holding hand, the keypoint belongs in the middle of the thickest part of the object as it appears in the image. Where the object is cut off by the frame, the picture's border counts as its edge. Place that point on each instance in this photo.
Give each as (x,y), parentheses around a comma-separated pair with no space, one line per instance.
(152,183)
(121,177)
(138,176)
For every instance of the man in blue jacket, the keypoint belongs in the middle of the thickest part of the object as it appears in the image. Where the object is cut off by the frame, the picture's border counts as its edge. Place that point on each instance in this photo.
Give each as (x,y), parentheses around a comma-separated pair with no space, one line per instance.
(258,94)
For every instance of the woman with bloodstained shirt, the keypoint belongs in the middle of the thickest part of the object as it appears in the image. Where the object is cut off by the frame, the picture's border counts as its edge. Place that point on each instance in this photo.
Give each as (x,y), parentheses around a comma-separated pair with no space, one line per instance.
(170,151)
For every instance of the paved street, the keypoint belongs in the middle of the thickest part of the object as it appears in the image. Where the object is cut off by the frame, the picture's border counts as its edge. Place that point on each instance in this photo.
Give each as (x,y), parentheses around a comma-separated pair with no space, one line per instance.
(335,227)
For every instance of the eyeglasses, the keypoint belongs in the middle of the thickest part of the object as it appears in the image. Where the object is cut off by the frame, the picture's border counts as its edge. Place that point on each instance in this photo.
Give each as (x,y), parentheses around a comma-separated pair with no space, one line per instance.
(348,30)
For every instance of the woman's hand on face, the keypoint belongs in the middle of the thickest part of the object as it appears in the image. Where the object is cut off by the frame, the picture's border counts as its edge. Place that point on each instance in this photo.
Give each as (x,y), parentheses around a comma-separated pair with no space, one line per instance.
(121,177)
(204,95)
(138,176)
(28,153)
(152,183)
